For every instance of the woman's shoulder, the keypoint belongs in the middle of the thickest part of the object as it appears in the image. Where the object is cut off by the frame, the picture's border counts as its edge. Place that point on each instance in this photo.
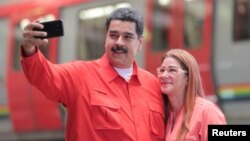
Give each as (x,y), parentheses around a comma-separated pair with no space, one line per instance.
(209,109)
(206,106)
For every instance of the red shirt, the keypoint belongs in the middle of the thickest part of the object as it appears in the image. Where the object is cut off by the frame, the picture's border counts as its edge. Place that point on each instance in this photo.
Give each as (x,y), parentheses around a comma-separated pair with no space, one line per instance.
(101,105)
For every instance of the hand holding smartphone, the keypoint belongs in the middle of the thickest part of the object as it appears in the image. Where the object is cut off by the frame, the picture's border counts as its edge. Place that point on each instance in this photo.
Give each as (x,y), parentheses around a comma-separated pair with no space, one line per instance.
(53,29)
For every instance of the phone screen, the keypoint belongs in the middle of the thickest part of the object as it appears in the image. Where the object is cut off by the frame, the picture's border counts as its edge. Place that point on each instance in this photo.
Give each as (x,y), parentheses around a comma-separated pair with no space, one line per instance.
(53,29)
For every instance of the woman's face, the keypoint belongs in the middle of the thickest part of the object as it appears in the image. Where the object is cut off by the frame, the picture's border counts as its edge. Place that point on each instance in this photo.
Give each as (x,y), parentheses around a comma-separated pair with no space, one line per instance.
(172,77)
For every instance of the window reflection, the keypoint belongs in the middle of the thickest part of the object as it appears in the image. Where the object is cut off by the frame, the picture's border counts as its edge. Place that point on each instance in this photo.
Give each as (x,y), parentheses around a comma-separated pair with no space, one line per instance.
(160,25)
(91,38)
(241,20)
(193,26)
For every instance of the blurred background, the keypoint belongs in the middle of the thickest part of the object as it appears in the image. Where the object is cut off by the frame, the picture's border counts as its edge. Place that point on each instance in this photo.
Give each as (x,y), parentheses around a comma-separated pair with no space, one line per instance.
(216,32)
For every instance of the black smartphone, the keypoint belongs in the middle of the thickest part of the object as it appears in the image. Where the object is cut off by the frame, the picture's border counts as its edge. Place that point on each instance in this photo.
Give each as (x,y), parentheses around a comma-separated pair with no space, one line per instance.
(53,29)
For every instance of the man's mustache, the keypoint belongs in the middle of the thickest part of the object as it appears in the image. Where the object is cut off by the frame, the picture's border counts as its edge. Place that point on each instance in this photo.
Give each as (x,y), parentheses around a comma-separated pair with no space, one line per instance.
(120,49)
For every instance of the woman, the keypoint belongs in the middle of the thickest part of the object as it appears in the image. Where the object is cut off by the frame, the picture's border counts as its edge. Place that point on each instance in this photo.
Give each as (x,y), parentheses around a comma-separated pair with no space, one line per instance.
(188,113)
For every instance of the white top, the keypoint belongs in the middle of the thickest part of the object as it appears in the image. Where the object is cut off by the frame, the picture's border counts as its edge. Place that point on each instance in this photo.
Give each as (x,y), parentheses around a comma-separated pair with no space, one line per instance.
(125,73)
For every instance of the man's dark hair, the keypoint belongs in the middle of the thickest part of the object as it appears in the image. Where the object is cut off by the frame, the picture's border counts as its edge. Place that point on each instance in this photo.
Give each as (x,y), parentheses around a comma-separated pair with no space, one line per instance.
(127,14)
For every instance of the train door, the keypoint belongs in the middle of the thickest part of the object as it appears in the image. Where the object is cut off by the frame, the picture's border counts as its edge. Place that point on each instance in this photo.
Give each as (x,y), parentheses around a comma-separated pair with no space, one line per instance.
(30,111)
(181,24)
(196,38)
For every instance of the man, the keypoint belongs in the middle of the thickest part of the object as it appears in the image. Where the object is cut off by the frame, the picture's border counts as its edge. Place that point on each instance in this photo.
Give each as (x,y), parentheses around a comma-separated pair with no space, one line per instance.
(107,99)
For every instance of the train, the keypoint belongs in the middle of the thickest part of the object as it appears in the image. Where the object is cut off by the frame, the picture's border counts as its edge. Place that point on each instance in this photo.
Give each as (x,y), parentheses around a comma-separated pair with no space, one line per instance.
(215,32)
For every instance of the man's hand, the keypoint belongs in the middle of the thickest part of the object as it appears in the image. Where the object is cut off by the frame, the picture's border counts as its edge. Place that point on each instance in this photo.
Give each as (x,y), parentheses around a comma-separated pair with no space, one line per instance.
(29,41)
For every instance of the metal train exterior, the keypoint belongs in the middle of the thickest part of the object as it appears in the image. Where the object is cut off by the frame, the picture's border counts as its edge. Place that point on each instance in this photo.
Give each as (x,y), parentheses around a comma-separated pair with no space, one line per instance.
(216,32)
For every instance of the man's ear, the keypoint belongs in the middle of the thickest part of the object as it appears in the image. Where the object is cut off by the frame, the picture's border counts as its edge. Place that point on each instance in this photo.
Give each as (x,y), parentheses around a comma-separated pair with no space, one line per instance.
(140,43)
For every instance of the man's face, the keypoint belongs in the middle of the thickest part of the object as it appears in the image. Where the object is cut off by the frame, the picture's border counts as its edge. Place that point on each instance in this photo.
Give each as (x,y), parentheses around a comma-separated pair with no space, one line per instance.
(122,43)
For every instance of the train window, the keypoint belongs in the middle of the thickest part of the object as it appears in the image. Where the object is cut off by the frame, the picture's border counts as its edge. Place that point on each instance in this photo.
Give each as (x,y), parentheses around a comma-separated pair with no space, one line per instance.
(92,30)
(16,49)
(160,25)
(91,38)
(241,20)
(193,26)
